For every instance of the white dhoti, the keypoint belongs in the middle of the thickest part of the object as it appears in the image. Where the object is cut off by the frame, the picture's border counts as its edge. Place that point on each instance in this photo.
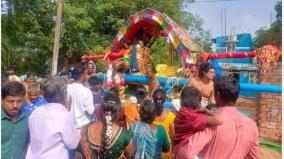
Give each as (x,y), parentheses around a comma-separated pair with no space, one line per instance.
(118,77)
(204,102)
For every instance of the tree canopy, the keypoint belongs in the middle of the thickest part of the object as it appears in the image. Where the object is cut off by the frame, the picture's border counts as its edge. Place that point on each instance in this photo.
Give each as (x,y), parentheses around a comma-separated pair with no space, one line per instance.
(88,27)
(273,34)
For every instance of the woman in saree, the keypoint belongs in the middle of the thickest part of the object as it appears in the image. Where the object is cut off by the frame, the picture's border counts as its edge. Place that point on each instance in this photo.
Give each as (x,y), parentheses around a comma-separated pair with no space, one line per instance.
(164,117)
(105,138)
(150,140)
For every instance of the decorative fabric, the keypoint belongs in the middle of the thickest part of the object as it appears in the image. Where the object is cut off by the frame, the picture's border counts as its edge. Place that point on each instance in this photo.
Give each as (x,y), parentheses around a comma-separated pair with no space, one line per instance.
(183,35)
(134,64)
(179,37)
(151,22)
(267,56)
(144,60)
(145,66)
(190,66)
(128,59)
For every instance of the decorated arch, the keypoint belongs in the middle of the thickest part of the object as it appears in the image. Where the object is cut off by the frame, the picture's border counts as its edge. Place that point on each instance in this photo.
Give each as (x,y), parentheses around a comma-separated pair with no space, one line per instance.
(150,22)
(148,25)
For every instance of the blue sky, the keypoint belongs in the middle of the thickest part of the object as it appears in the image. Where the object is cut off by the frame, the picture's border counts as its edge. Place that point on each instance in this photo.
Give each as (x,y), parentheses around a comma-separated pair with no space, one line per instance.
(241,15)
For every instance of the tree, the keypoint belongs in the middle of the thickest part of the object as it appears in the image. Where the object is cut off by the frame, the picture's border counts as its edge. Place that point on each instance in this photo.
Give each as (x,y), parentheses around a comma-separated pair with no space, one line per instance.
(27,34)
(106,17)
(278,9)
(88,27)
(272,35)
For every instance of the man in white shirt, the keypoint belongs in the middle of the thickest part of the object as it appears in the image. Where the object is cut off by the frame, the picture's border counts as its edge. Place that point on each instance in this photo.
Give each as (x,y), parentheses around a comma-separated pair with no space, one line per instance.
(82,106)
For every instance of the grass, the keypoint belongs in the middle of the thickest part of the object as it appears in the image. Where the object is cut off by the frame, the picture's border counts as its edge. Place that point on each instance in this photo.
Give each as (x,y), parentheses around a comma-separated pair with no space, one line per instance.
(269,144)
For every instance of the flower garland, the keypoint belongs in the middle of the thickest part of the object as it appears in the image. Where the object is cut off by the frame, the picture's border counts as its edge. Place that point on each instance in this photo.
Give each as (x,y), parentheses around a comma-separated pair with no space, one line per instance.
(108,125)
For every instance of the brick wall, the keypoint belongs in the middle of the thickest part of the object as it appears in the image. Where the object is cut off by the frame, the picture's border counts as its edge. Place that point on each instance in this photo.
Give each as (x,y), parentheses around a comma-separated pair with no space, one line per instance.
(248,104)
(269,109)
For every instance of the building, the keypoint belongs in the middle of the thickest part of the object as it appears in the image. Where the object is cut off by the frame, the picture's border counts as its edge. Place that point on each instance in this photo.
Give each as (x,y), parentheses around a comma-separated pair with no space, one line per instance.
(244,68)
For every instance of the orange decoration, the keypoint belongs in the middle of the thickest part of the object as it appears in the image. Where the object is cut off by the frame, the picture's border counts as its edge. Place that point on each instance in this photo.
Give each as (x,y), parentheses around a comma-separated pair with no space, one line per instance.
(267,56)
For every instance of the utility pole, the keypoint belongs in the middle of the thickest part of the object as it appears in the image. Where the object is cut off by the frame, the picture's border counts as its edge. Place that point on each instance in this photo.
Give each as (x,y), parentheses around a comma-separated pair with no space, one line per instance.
(222,23)
(57,38)
(225,22)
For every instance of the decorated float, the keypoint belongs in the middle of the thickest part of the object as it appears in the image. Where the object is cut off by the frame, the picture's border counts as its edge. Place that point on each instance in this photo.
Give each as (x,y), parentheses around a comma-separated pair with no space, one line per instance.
(131,52)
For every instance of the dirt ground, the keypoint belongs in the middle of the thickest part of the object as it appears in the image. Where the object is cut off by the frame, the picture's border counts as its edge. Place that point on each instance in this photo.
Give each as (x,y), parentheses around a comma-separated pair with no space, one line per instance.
(267,153)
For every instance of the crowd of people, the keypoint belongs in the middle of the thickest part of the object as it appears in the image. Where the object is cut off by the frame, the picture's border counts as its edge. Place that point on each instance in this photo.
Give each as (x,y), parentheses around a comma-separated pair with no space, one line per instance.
(63,118)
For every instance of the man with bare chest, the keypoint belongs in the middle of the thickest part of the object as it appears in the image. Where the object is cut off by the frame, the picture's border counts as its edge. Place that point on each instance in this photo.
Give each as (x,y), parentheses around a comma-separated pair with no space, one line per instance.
(89,72)
(204,83)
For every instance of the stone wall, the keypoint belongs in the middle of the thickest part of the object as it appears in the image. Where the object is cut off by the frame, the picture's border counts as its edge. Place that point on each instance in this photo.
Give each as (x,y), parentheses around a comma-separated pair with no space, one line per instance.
(269,106)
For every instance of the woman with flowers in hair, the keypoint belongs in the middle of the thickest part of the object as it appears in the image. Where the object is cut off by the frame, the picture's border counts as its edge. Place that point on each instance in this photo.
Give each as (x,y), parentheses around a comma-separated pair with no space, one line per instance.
(104,138)
(164,117)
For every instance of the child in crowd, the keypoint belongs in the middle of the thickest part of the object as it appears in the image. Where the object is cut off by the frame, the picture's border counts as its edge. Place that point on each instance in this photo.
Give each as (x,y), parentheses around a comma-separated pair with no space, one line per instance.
(191,117)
